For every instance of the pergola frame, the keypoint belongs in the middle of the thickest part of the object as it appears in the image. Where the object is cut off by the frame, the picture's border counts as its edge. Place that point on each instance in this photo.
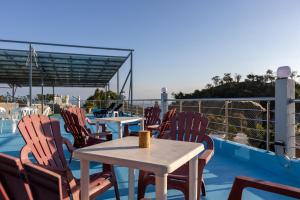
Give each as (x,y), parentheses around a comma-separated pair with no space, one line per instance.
(49,78)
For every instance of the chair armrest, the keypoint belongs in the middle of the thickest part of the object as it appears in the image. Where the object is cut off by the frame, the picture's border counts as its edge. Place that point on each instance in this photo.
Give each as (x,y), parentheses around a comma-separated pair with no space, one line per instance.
(89,121)
(165,135)
(206,155)
(152,127)
(68,144)
(60,171)
(242,182)
(25,151)
(107,135)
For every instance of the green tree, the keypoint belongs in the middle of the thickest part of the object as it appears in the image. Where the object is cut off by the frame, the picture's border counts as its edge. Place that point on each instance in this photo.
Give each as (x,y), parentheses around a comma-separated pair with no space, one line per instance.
(216,80)
(237,77)
(99,96)
(227,78)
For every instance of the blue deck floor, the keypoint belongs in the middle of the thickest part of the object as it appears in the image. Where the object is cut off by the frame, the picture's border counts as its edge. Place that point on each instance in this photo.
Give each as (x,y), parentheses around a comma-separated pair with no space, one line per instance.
(219,173)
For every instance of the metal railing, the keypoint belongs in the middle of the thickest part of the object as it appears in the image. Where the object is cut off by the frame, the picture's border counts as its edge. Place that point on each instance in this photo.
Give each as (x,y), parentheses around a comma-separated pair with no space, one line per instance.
(250,121)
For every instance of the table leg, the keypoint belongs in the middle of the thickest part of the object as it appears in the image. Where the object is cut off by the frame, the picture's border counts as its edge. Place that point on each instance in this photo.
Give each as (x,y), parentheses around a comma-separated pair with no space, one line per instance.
(84,179)
(97,126)
(161,186)
(193,178)
(120,130)
(142,125)
(130,183)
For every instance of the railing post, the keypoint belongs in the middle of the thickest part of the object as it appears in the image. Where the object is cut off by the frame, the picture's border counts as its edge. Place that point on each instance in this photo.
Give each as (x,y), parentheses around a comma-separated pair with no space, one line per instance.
(226,118)
(137,109)
(180,105)
(123,107)
(199,103)
(268,127)
(143,108)
(285,140)
(78,102)
(164,102)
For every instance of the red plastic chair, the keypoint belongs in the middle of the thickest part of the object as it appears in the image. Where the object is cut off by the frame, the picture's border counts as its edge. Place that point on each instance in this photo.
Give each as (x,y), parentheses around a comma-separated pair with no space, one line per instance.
(191,127)
(44,141)
(165,124)
(44,183)
(80,113)
(152,117)
(242,182)
(12,179)
(82,136)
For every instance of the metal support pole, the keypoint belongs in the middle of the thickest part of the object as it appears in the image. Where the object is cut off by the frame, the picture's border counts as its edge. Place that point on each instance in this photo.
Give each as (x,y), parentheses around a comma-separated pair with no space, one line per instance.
(42,97)
(13,92)
(118,86)
(106,95)
(30,75)
(268,127)
(42,84)
(53,99)
(131,77)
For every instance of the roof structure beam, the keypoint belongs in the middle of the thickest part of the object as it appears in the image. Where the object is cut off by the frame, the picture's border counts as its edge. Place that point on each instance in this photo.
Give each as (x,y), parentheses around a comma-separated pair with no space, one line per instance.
(59,69)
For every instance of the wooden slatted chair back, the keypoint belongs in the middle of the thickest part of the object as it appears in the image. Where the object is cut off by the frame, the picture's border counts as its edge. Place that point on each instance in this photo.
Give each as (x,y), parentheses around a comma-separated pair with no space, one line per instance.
(166,122)
(189,126)
(152,115)
(80,114)
(72,124)
(12,179)
(66,120)
(44,183)
(81,129)
(42,135)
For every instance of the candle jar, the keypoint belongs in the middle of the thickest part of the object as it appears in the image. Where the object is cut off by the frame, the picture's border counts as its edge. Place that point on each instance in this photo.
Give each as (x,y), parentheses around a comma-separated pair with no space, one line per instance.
(144,139)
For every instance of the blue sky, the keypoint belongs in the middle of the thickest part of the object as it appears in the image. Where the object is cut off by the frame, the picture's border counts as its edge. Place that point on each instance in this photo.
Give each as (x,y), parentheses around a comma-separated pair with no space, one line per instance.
(178,44)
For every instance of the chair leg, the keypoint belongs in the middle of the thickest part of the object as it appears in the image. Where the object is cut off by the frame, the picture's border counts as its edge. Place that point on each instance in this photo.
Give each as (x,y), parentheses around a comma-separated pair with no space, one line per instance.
(203,190)
(71,157)
(141,192)
(115,183)
(141,185)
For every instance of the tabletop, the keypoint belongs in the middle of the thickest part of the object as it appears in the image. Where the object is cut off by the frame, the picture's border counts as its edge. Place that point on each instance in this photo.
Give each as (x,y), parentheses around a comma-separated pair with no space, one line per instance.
(164,156)
(119,119)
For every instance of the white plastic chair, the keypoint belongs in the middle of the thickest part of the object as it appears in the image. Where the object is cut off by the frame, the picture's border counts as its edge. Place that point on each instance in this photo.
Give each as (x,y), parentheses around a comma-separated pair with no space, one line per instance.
(46,111)
(2,113)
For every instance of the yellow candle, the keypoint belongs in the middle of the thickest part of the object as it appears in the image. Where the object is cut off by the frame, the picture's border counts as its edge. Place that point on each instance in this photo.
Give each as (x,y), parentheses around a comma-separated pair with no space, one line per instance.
(144,139)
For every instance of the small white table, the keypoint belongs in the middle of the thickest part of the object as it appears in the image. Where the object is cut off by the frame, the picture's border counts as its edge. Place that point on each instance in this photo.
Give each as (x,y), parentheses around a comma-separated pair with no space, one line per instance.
(163,157)
(120,121)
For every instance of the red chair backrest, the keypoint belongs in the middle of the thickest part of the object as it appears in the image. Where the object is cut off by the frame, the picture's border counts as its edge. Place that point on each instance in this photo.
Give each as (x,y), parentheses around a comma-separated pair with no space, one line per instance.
(12,179)
(42,135)
(188,126)
(166,122)
(72,123)
(152,115)
(79,112)
(44,183)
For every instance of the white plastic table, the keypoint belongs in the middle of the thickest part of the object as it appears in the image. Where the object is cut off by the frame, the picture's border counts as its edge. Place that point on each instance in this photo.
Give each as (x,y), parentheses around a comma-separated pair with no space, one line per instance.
(163,157)
(120,121)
